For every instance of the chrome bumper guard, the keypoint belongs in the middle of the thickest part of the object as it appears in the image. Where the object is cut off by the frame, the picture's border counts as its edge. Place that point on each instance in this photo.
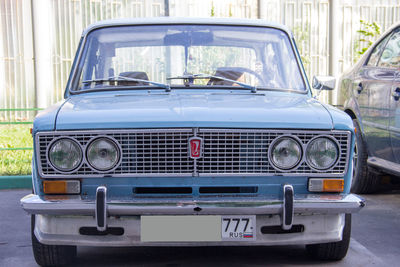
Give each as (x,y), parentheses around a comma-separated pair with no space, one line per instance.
(101,207)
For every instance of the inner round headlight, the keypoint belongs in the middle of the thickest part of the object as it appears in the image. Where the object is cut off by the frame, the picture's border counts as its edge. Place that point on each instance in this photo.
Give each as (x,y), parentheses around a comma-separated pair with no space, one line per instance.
(103,154)
(65,154)
(285,153)
(322,153)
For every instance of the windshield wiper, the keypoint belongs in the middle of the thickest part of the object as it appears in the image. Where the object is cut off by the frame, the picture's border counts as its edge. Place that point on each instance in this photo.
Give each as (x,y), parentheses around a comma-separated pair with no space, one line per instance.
(167,87)
(189,77)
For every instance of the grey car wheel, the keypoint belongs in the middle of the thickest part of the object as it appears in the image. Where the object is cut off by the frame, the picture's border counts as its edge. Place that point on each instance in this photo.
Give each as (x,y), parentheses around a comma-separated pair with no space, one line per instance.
(51,255)
(334,250)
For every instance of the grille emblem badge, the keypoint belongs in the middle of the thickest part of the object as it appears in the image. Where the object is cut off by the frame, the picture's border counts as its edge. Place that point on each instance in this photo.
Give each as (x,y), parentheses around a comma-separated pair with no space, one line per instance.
(195,147)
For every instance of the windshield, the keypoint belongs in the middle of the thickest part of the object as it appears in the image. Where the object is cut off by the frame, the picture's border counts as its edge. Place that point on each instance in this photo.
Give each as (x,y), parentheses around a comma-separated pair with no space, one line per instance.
(127,57)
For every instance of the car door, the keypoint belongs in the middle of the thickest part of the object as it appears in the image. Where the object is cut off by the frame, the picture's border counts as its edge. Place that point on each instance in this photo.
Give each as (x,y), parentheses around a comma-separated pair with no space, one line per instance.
(395,118)
(393,54)
(373,87)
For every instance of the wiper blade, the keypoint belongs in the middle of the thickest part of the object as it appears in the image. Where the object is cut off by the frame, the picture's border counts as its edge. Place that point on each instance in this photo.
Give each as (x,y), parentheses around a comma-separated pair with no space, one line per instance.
(167,87)
(208,76)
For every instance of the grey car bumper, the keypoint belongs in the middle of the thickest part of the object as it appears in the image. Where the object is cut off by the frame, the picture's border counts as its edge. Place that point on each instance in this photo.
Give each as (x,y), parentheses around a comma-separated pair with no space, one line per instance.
(302,204)
(59,219)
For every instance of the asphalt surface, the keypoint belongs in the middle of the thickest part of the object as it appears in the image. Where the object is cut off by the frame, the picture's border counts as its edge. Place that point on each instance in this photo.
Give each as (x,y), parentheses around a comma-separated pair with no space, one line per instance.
(375,242)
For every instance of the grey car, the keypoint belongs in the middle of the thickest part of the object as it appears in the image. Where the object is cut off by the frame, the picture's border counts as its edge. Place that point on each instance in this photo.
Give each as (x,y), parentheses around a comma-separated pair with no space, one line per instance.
(370,94)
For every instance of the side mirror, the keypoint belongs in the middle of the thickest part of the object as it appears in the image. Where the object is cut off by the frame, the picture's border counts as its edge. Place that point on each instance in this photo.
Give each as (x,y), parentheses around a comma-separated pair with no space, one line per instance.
(324,82)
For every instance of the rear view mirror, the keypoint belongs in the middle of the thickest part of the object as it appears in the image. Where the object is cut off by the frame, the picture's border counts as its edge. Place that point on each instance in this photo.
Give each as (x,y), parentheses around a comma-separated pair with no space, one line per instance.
(324,82)
(189,38)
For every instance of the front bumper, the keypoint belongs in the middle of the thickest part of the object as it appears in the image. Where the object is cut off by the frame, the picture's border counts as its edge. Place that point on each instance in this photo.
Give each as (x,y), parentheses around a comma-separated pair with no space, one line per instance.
(60,218)
(302,204)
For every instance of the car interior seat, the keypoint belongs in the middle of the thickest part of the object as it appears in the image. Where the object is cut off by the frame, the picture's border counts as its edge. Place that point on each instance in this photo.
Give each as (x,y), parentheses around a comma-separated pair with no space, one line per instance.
(135,75)
(232,73)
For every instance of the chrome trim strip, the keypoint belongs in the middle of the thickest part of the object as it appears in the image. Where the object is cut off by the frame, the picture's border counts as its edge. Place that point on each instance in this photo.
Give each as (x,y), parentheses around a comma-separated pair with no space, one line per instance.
(302,204)
(74,76)
(244,174)
(253,130)
(149,130)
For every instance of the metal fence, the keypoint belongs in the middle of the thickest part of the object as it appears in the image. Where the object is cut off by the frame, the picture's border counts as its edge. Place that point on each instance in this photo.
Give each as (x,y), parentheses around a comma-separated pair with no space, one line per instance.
(15,150)
(38,38)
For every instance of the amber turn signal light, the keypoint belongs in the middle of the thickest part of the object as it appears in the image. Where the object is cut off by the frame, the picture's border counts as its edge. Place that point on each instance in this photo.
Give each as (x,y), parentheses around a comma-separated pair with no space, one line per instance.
(325,185)
(61,187)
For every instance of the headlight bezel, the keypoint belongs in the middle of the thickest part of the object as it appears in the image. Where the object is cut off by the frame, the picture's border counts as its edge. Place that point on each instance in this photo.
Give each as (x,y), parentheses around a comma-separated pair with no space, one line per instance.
(118,149)
(81,153)
(338,153)
(271,149)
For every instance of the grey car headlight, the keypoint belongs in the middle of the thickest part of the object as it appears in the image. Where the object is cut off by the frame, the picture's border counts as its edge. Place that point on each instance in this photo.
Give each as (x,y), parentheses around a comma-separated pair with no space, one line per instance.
(285,153)
(103,154)
(322,153)
(65,154)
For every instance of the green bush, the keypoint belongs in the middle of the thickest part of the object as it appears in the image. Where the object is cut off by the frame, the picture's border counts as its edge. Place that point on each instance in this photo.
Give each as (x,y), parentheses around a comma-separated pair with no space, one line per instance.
(368,33)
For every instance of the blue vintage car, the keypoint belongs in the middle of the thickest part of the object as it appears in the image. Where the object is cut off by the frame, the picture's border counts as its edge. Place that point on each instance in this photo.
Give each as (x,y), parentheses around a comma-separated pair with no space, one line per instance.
(190,132)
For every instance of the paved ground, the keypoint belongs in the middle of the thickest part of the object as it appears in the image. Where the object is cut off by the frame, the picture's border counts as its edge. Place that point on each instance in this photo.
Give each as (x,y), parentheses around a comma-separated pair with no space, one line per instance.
(375,242)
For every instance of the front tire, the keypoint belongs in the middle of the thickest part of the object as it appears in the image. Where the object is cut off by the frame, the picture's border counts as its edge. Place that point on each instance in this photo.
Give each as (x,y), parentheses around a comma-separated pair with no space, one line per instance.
(51,255)
(335,250)
(364,181)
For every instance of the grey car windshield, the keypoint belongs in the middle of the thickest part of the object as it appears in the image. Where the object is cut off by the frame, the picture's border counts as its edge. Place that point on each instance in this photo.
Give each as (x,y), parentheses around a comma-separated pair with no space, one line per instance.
(184,55)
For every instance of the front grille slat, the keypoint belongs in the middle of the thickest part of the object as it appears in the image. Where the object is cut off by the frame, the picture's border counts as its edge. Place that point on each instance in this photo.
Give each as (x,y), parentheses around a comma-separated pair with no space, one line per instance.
(164,152)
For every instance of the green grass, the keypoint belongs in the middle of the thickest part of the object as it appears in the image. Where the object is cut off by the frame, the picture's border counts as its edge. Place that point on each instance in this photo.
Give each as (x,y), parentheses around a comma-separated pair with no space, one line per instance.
(15,162)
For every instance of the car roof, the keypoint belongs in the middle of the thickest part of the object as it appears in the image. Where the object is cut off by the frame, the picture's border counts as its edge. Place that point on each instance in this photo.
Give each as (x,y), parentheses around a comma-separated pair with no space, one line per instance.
(182,20)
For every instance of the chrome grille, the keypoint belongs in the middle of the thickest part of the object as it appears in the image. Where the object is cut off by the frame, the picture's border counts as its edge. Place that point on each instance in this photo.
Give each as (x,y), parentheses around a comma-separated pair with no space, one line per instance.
(164,152)
(246,152)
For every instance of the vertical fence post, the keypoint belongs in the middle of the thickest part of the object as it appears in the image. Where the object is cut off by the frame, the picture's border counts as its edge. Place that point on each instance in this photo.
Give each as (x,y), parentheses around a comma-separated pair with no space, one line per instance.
(334,24)
(3,55)
(166,8)
(28,62)
(42,35)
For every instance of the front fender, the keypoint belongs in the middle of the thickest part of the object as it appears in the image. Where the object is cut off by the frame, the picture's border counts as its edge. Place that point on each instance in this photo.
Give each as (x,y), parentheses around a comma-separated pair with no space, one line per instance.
(351,106)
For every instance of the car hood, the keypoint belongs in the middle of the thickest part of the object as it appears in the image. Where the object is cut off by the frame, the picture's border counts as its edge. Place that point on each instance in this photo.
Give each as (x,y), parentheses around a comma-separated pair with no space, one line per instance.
(180,109)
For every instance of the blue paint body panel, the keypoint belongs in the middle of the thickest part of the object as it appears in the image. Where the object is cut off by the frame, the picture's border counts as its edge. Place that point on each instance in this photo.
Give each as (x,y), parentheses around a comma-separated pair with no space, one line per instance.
(124,187)
(46,119)
(192,108)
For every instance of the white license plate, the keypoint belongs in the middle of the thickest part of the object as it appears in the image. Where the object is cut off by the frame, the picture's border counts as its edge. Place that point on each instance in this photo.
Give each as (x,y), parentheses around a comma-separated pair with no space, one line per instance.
(238,228)
(197,228)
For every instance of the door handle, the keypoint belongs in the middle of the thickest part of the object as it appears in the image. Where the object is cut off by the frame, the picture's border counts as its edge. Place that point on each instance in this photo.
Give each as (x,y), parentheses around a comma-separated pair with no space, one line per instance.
(396,94)
(360,88)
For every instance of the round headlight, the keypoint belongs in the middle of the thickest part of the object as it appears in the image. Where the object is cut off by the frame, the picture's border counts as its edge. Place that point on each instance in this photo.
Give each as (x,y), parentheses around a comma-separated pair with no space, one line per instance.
(103,154)
(65,154)
(285,153)
(322,153)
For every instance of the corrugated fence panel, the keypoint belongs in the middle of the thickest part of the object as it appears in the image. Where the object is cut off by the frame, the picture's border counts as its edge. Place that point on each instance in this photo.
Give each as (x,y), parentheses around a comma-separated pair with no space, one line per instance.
(70,17)
(384,12)
(16,60)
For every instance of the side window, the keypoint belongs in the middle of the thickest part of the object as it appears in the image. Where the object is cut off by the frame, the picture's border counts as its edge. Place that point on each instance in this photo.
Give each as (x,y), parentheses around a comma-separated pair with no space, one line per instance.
(390,57)
(376,53)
